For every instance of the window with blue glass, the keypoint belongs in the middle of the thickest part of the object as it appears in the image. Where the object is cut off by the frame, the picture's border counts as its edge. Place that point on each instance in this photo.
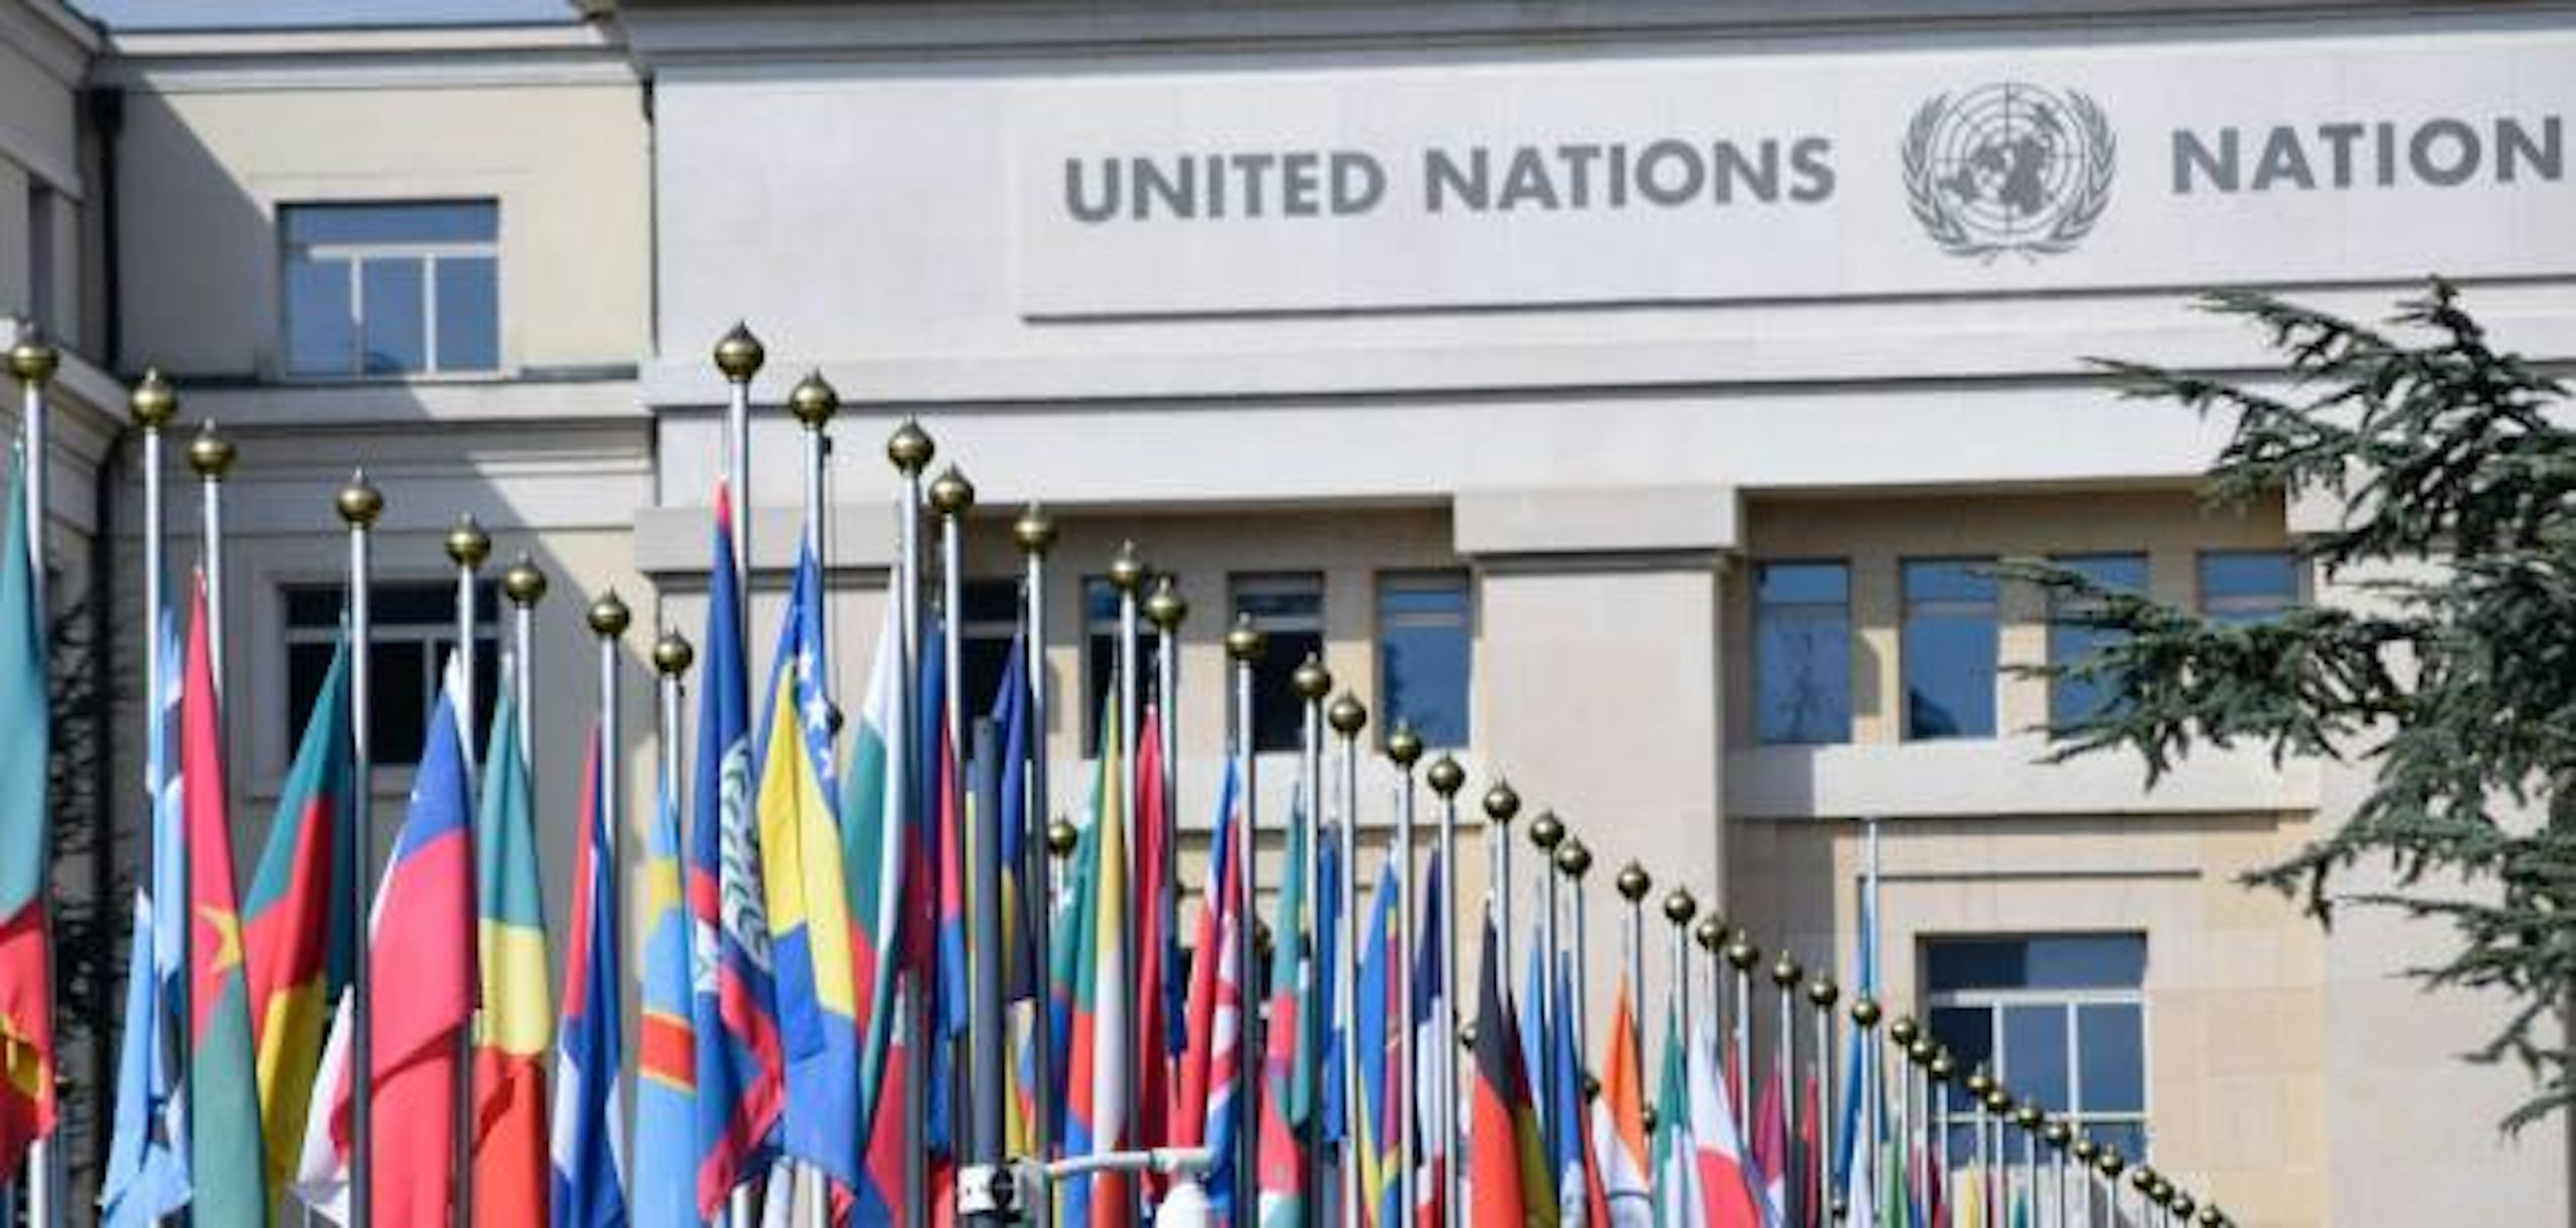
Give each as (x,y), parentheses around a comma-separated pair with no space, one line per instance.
(1100,629)
(1802,652)
(2071,641)
(389,289)
(2060,1019)
(2247,586)
(1288,607)
(1425,643)
(1947,648)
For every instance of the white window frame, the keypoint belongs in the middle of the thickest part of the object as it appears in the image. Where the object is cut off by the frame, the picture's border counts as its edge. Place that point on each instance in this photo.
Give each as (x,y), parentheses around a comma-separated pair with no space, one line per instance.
(2235,606)
(380,633)
(1442,580)
(429,254)
(2069,1003)
(1992,606)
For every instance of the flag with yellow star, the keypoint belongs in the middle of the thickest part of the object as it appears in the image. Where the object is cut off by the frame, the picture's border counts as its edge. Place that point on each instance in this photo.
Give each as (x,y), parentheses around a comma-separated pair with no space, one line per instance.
(226,1148)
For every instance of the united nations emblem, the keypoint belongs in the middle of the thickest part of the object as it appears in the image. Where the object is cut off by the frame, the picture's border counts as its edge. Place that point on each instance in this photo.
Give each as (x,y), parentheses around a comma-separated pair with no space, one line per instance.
(2008,168)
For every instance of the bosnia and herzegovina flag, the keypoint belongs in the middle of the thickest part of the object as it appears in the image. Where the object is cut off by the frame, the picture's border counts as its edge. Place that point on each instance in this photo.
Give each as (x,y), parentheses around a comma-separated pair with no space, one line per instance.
(225,1156)
(510,1120)
(26,842)
(732,1009)
(297,923)
(809,902)
(875,850)
(1507,1165)
(589,1179)
(666,1075)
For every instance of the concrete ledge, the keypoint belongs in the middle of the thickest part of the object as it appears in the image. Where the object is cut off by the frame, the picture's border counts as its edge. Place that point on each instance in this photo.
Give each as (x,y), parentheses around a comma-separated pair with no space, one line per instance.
(1652,519)
(1968,779)
(672,542)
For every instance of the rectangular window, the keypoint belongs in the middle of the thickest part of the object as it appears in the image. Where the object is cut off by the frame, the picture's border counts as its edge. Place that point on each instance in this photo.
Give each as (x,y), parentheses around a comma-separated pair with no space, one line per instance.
(1100,655)
(42,309)
(1948,647)
(1802,652)
(1289,608)
(992,618)
(392,289)
(412,630)
(1424,646)
(2247,586)
(2061,1019)
(2070,641)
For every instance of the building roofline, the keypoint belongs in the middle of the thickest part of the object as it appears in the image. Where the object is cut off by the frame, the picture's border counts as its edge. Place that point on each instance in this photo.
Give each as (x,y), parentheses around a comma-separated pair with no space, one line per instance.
(421,56)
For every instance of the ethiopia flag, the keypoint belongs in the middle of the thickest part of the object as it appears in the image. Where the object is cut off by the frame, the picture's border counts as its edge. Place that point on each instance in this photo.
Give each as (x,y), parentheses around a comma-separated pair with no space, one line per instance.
(26,963)
(518,1024)
(297,924)
(225,1152)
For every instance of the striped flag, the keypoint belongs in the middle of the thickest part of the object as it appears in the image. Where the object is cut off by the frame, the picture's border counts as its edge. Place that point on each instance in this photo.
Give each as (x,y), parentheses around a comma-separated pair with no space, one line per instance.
(809,901)
(1282,1166)
(225,1156)
(874,859)
(732,1008)
(1678,1200)
(666,1076)
(297,924)
(1211,1061)
(518,1013)
(1725,1185)
(1506,1164)
(1771,1153)
(1153,941)
(1435,1107)
(1373,1125)
(26,840)
(147,1158)
(589,1164)
(1618,1123)
(1099,1084)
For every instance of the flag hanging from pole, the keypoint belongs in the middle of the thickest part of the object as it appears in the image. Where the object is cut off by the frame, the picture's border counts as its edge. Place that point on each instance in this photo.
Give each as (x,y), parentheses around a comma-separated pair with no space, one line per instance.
(732,1009)
(510,1120)
(1211,1060)
(1153,940)
(26,840)
(226,1160)
(1373,1131)
(1618,1123)
(666,1076)
(1099,1084)
(300,933)
(147,1158)
(1725,1185)
(1435,1105)
(1506,1164)
(1678,1200)
(1281,1163)
(876,855)
(1565,1100)
(589,1185)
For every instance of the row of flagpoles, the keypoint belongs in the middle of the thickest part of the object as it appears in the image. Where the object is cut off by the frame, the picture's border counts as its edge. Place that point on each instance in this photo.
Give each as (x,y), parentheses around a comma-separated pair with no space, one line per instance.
(879,986)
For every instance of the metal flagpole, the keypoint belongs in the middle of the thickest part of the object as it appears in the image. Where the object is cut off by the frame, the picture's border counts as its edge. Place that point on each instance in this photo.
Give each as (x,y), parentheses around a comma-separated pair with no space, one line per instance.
(1165,608)
(1446,779)
(2057,1134)
(910,450)
(1546,832)
(1244,644)
(1501,806)
(738,357)
(1865,1157)
(1574,860)
(813,400)
(1742,955)
(2091,1159)
(976,1198)
(2142,1181)
(1127,574)
(1035,534)
(1679,908)
(1944,1073)
(154,404)
(1312,682)
(525,585)
(1634,883)
(1785,974)
(2026,1118)
(360,505)
(1979,1084)
(1710,933)
(951,497)
(1821,994)
(211,456)
(1405,750)
(1914,1108)
(1348,718)
(467,547)
(1928,1127)
(34,364)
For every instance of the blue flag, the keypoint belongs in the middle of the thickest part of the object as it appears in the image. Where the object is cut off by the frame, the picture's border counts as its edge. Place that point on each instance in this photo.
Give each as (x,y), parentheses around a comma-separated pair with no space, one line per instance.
(1335,1125)
(1565,1089)
(666,1074)
(147,1168)
(588,1186)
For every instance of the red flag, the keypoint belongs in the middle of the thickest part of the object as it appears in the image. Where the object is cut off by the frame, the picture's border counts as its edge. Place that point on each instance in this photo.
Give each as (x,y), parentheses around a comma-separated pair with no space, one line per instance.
(1153,943)
(1811,1156)
(1502,1147)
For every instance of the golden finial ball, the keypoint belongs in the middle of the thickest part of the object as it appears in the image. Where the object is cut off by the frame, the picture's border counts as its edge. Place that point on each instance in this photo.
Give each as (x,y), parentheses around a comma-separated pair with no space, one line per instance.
(2057,1134)
(910,448)
(359,503)
(1591,1086)
(1502,804)
(1998,1098)
(1347,715)
(1034,530)
(1634,882)
(1646,1117)
(1404,746)
(1546,831)
(1127,569)
(1922,1051)
(467,544)
(1710,933)
(2182,1206)
(1572,858)
(672,654)
(1061,836)
(1447,777)
(739,354)
(950,493)
(1821,992)
(523,582)
(1904,1030)
(814,400)
(153,402)
(2027,1115)
(1310,680)
(1785,972)
(1245,643)
(210,454)
(1467,1035)
(2210,1216)
(1679,907)
(2085,1150)
(1942,1067)
(33,361)
(1865,1012)
(1741,953)
(1979,1083)
(2142,1179)
(1165,607)
(2110,1163)
(608,616)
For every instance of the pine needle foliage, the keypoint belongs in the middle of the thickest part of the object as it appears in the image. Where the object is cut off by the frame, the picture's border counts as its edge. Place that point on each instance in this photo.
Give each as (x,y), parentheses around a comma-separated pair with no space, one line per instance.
(2453,678)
